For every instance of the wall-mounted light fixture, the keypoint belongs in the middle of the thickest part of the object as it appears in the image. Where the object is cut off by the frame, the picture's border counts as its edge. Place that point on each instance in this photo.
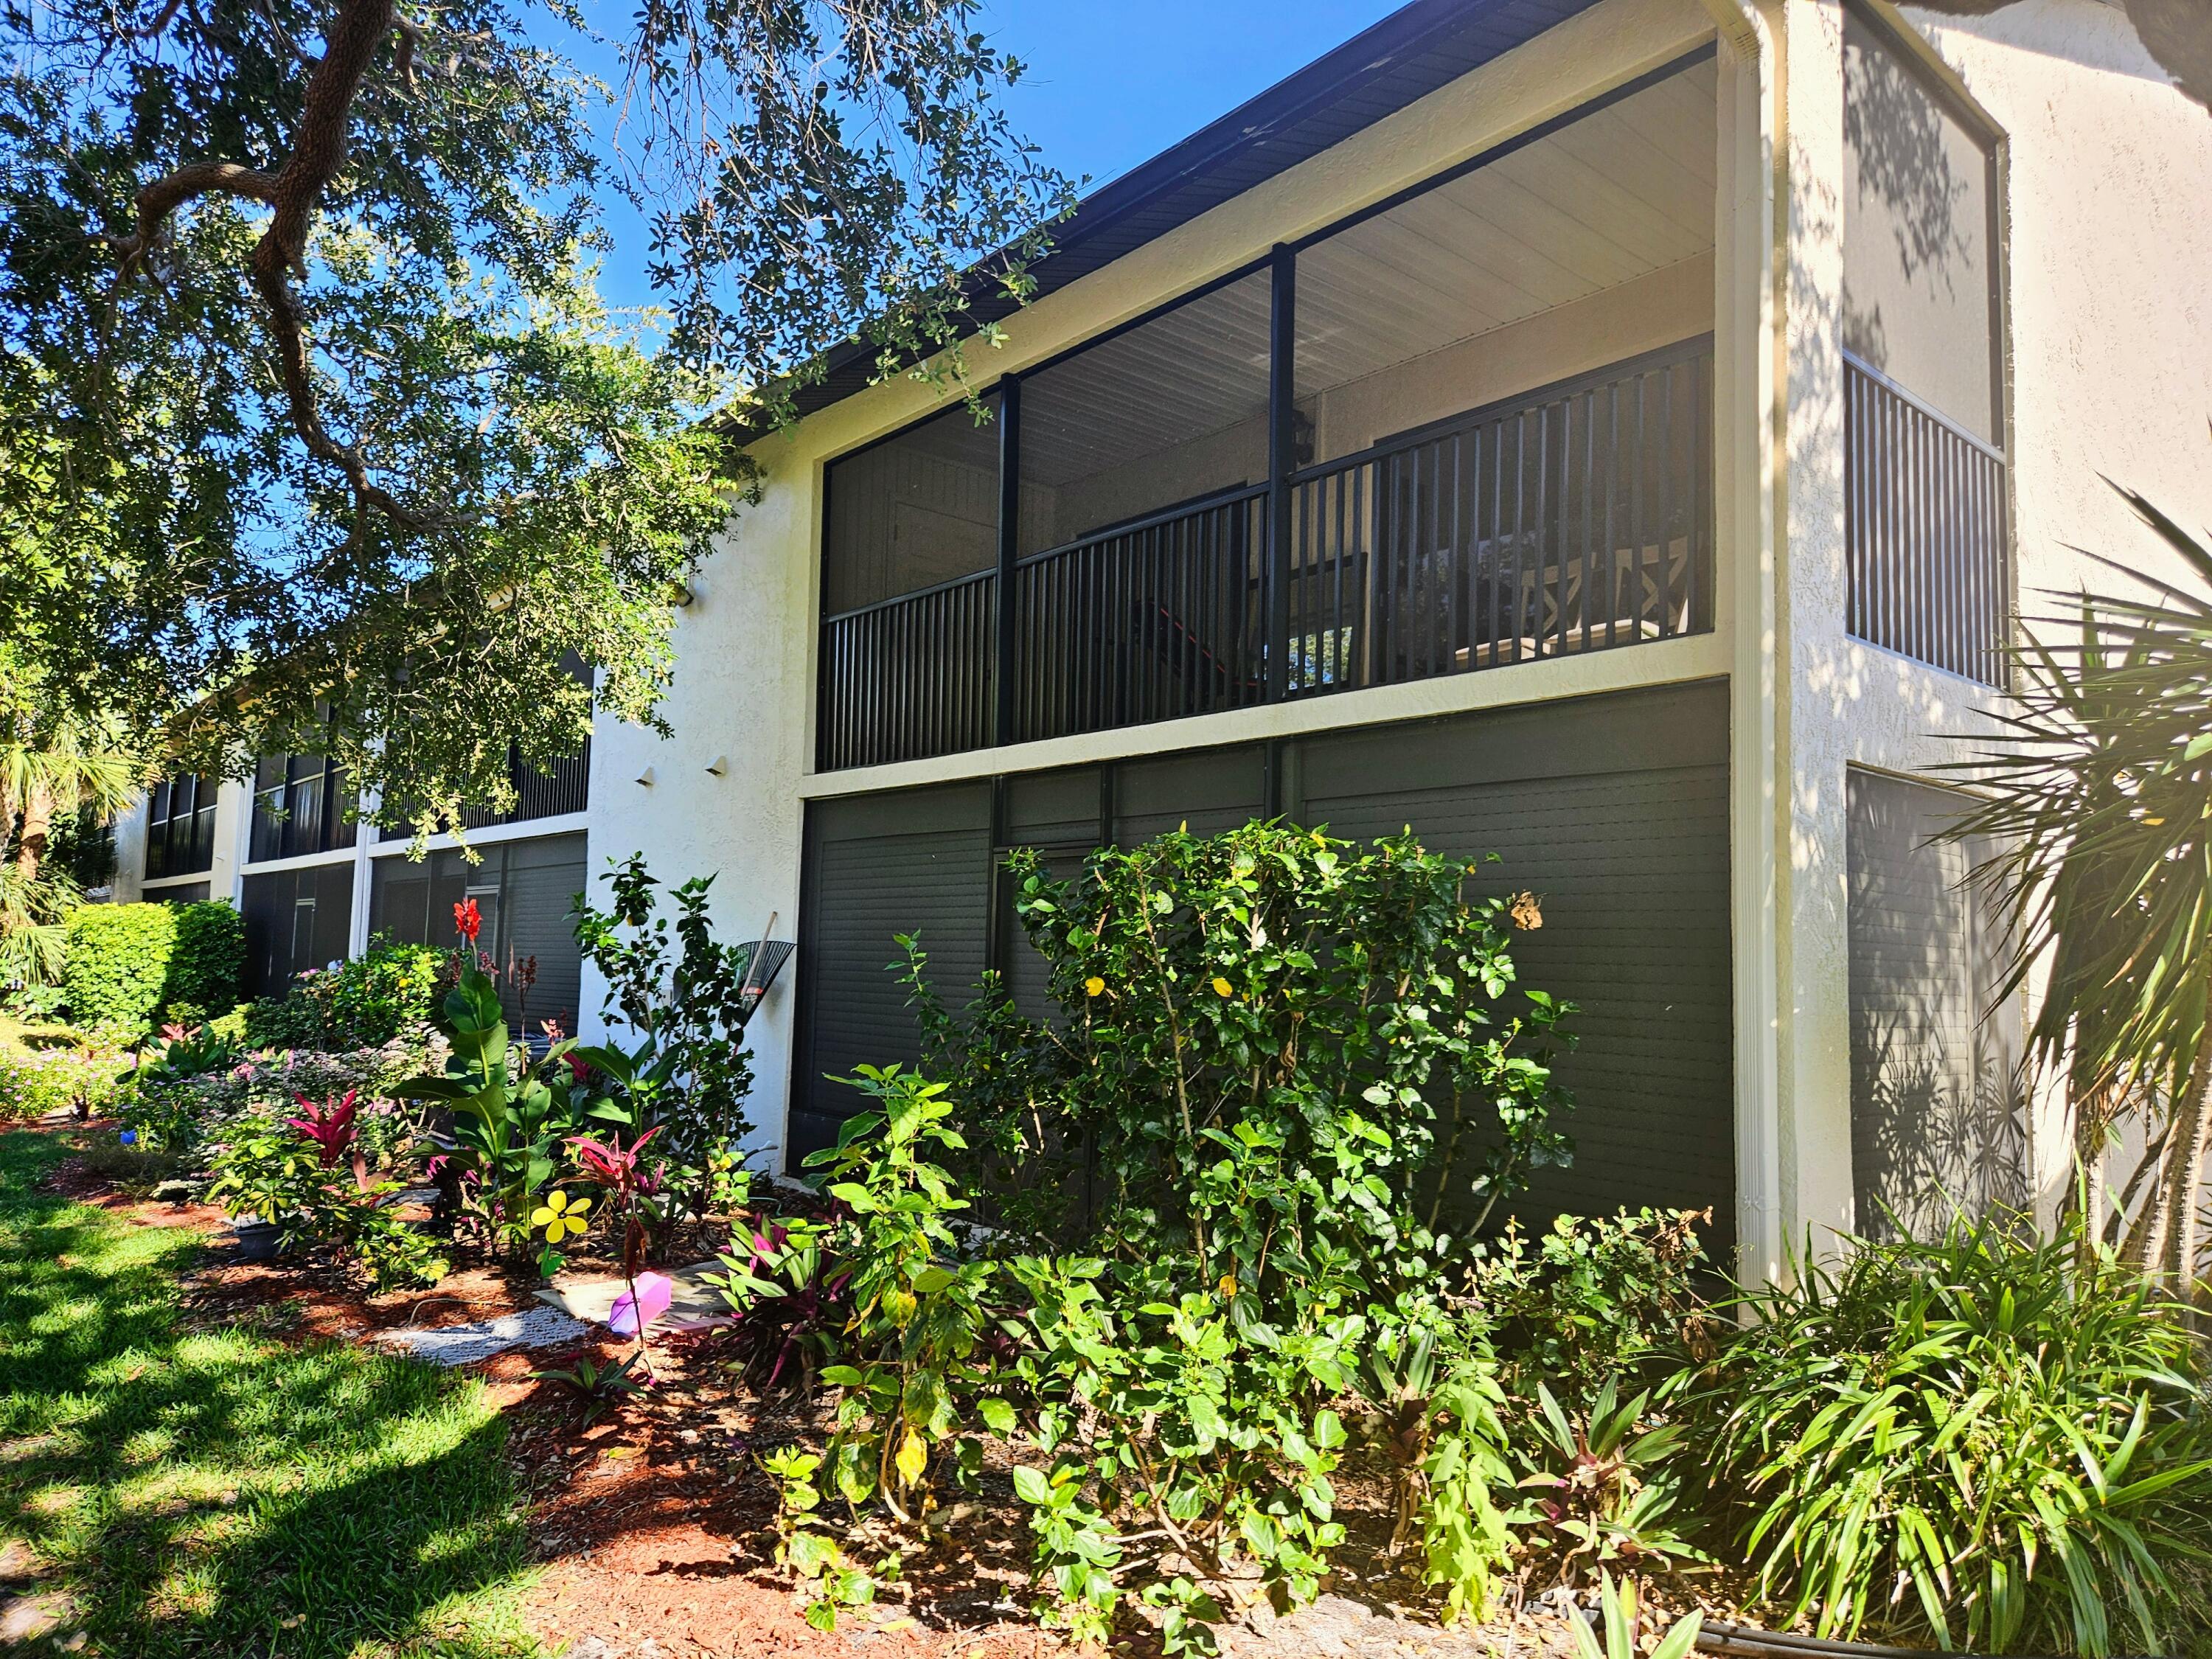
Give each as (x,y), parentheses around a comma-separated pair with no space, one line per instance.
(719,767)
(680,595)
(645,777)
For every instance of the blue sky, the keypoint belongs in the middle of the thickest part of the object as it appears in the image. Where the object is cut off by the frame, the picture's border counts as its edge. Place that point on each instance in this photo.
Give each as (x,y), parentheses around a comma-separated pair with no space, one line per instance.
(1111,82)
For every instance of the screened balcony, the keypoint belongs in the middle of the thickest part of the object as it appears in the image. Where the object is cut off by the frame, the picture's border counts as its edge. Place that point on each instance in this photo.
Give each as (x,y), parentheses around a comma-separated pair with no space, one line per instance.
(1469,429)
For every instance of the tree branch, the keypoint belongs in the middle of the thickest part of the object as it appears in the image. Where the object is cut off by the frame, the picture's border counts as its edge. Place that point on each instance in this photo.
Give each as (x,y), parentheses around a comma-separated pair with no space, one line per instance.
(319,156)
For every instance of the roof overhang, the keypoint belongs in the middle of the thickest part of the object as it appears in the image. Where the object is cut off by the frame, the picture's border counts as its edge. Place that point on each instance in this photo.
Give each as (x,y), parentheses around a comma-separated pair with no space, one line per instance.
(1409,54)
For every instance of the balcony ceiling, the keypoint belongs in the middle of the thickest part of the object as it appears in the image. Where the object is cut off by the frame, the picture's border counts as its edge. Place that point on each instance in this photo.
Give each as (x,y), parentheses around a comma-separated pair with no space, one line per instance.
(1622,192)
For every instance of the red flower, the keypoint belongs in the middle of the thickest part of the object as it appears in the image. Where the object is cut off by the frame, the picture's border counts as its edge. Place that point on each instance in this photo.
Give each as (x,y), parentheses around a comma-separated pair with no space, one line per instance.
(610,1164)
(468,919)
(331,1127)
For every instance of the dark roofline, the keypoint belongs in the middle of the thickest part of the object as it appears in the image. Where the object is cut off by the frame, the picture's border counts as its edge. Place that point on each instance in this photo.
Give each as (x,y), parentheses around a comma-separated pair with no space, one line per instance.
(1404,58)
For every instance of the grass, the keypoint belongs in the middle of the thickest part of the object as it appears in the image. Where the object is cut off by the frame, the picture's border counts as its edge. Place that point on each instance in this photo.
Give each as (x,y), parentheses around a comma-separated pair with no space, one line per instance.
(219,1493)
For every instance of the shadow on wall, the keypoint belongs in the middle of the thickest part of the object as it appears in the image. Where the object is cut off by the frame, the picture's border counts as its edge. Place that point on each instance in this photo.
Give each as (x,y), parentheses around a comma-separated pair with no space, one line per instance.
(1938,1112)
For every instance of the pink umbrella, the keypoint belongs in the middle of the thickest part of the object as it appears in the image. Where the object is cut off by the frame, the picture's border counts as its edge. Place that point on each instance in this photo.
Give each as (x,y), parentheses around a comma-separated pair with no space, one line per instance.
(653,1293)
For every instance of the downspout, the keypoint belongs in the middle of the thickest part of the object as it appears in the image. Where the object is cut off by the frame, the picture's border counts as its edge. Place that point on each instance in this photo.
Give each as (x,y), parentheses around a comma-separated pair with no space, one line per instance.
(1750,300)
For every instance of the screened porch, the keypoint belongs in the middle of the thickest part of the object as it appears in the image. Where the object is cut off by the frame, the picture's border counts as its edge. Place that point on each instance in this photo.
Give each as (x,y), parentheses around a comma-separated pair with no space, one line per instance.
(1468,429)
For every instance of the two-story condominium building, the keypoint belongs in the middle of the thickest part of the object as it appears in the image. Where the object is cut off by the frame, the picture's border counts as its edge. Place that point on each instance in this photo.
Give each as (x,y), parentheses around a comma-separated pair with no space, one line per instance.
(1611,433)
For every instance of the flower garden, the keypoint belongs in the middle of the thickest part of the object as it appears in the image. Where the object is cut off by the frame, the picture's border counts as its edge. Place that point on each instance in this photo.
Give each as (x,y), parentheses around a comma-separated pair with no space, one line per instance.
(1195,1311)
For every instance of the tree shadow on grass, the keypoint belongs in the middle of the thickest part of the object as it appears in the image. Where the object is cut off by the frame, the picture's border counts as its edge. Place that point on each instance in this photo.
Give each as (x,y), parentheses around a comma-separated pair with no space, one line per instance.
(215,1491)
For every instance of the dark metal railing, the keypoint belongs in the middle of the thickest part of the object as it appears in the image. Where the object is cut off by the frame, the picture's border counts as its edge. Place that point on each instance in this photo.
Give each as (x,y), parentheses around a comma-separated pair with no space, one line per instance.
(1924,524)
(910,676)
(1576,519)
(1148,620)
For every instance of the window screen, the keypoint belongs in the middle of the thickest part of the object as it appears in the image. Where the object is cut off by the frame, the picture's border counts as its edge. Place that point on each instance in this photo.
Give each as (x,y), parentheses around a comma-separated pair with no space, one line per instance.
(915,510)
(180,826)
(300,806)
(1936,1116)
(1170,411)
(524,892)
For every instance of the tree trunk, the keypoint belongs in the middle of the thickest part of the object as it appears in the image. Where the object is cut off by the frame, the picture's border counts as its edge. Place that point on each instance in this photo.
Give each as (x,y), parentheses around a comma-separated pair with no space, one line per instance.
(2185,1170)
(38,824)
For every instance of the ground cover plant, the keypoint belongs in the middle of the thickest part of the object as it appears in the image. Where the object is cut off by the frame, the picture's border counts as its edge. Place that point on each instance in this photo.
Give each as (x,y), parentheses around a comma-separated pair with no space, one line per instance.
(217,1491)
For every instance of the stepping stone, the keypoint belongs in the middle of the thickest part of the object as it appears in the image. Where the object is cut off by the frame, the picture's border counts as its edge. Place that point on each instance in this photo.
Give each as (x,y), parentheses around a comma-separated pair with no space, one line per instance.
(692,1304)
(28,1618)
(464,1344)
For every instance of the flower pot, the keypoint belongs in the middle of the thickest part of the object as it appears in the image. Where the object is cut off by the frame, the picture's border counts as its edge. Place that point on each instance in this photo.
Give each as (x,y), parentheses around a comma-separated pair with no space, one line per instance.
(258,1241)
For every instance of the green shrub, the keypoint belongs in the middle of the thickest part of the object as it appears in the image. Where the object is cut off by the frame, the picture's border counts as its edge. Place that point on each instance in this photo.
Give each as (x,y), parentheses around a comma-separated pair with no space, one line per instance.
(119,964)
(362,1003)
(1996,1443)
(204,965)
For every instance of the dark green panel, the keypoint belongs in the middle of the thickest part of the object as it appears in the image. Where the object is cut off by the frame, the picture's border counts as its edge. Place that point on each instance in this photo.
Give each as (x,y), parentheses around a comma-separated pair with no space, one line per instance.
(1614,810)
(919,862)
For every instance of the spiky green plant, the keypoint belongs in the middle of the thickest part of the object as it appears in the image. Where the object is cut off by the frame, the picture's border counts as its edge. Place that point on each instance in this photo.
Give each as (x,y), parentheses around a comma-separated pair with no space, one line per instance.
(1996,1441)
(2098,791)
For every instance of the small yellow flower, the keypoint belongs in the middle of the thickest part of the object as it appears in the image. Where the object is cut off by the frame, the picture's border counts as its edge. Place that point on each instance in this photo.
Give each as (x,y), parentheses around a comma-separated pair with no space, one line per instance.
(1094,987)
(1228,1285)
(561,1215)
(1222,986)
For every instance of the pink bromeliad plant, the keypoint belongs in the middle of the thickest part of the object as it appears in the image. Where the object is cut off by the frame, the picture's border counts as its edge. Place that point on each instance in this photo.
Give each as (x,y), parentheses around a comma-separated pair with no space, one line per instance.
(335,1128)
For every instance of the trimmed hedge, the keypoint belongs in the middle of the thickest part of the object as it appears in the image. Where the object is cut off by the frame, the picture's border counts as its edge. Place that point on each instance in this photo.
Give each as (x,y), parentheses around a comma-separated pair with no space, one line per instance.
(129,962)
(209,955)
(119,963)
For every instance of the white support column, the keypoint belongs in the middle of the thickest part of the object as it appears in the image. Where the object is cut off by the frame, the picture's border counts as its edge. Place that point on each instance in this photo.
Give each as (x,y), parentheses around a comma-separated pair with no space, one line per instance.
(1746,305)
(364,839)
(234,839)
(1816,691)
(1778,381)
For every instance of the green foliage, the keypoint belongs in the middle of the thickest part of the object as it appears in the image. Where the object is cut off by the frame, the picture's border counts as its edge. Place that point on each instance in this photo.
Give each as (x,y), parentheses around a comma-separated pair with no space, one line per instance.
(207,958)
(269,1170)
(1617,1611)
(370,454)
(356,1503)
(509,1113)
(918,1314)
(598,1386)
(1463,1464)
(1594,1299)
(1258,1032)
(119,964)
(1998,1442)
(1604,1488)
(366,1001)
(685,1002)
(93,1081)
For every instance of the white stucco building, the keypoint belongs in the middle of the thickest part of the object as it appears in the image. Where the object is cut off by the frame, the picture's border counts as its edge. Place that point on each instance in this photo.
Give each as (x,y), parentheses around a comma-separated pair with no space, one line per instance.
(1613,434)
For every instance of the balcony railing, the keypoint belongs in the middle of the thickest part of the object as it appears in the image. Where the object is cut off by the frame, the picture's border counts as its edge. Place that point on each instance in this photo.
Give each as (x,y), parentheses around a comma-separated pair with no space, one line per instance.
(910,676)
(1924,524)
(1575,519)
(1148,620)
(565,788)
(1572,521)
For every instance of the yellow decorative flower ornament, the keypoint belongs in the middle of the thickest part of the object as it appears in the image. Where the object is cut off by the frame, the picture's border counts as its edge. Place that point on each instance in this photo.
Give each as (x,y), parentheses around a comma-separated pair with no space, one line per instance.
(561,1215)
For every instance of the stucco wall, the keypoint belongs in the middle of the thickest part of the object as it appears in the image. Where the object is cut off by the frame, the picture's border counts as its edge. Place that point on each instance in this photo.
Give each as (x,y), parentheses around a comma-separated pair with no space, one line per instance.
(2106,170)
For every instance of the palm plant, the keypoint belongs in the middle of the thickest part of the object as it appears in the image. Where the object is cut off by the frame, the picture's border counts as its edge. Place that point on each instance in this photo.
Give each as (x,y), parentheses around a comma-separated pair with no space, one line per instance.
(45,773)
(2099,792)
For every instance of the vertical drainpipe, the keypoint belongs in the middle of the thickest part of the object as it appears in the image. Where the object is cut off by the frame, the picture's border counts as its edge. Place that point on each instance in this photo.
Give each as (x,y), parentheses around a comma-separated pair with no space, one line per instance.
(1750,300)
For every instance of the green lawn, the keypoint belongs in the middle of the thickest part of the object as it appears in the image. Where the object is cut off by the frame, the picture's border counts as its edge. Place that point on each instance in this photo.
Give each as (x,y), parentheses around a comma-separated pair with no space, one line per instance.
(221,1493)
